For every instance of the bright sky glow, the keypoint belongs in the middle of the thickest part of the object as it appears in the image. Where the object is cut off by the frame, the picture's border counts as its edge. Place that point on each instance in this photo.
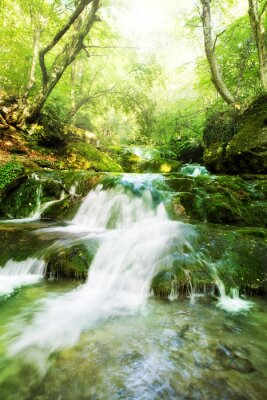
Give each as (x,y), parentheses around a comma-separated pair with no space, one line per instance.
(159,26)
(148,22)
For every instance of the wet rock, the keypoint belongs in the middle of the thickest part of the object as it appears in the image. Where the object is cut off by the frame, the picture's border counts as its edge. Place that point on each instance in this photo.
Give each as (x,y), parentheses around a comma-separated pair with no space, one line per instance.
(210,389)
(69,263)
(222,199)
(62,210)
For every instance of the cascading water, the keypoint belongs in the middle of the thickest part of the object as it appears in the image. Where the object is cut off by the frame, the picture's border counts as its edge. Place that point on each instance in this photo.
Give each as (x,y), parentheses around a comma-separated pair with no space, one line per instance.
(39,209)
(19,273)
(231,303)
(135,235)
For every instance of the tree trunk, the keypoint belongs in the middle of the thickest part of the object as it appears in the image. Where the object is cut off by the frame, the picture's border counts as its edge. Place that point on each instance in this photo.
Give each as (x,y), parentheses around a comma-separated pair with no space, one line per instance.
(36,45)
(64,59)
(258,29)
(243,64)
(217,78)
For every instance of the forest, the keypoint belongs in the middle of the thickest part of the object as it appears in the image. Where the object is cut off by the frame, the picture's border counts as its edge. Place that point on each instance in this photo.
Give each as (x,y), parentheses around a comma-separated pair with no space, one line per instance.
(133,159)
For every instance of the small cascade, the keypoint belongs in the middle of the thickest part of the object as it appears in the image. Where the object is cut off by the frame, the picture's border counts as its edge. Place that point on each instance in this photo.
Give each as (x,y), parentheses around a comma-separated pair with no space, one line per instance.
(231,303)
(174,292)
(191,288)
(40,208)
(135,235)
(193,170)
(19,273)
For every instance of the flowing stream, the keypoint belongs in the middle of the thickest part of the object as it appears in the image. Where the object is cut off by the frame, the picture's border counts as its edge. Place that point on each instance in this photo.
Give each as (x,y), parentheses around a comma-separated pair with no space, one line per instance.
(108,338)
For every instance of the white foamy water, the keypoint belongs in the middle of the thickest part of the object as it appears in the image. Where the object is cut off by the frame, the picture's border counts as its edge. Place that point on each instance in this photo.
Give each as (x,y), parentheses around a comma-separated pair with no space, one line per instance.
(19,273)
(193,170)
(137,236)
(231,303)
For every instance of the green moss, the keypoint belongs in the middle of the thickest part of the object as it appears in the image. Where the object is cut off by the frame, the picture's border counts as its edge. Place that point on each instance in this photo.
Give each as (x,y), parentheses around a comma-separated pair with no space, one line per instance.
(62,210)
(70,263)
(85,156)
(9,172)
(21,201)
(162,283)
(224,200)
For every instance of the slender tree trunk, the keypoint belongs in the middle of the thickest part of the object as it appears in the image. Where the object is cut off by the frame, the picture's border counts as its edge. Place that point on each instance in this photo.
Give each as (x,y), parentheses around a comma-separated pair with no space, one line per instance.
(258,29)
(73,84)
(243,64)
(36,45)
(217,78)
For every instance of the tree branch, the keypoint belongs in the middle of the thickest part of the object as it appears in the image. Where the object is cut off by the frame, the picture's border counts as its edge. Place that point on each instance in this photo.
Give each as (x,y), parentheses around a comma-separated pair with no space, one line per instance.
(217,37)
(262,11)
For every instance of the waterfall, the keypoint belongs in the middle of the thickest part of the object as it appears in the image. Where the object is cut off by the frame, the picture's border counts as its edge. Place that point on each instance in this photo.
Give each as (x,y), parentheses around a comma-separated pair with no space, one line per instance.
(134,237)
(19,273)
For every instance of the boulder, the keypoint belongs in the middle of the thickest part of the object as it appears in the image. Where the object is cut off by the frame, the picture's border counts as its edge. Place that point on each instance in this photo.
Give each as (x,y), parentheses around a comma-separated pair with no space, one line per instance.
(237,142)
(69,263)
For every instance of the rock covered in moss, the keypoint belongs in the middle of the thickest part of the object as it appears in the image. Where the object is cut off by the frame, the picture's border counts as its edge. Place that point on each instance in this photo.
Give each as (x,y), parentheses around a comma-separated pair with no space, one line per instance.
(237,143)
(21,200)
(9,172)
(247,151)
(61,210)
(236,255)
(222,199)
(69,263)
(85,156)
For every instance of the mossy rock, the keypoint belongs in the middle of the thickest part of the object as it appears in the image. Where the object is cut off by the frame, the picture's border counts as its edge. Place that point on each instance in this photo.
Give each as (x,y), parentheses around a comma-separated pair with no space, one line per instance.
(218,209)
(69,263)
(247,151)
(223,200)
(51,188)
(56,181)
(20,201)
(181,184)
(62,210)
(237,254)
(237,143)
(9,172)
(85,156)
(162,283)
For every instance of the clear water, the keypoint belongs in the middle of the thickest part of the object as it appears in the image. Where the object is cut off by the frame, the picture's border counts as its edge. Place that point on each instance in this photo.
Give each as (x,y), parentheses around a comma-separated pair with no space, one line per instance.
(165,350)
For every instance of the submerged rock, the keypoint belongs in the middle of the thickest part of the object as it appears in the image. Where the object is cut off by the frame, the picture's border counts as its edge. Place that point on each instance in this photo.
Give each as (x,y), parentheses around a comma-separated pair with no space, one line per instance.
(234,359)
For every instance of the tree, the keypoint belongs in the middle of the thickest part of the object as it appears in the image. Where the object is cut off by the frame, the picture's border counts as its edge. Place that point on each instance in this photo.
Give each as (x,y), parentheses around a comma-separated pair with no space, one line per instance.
(257,12)
(210,44)
(81,27)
